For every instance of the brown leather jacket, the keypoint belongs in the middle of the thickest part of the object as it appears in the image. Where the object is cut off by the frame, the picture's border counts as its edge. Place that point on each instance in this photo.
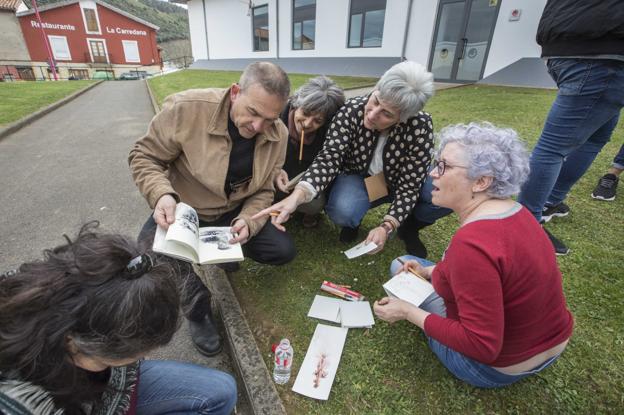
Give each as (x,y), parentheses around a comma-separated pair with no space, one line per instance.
(185,153)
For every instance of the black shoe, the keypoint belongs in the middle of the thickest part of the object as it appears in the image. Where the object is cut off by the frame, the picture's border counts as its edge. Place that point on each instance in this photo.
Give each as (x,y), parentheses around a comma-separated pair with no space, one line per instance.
(606,187)
(229,266)
(560,248)
(205,336)
(348,235)
(559,211)
(414,246)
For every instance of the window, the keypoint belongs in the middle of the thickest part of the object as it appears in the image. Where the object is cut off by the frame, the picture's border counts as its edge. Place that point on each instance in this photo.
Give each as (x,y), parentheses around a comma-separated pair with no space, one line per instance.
(91,21)
(60,48)
(131,50)
(366,23)
(304,23)
(260,17)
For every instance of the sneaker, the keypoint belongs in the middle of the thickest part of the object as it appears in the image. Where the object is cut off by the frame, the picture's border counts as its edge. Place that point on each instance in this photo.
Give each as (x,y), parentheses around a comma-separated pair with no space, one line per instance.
(560,248)
(414,246)
(606,187)
(559,211)
(348,235)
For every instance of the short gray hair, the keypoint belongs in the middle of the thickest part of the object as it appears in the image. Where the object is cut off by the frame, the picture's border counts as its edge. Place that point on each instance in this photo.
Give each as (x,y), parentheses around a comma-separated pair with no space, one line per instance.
(318,95)
(490,151)
(269,76)
(408,86)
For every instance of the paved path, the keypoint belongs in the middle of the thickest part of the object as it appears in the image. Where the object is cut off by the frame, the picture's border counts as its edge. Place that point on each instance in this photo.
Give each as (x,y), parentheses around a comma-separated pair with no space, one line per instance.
(70,167)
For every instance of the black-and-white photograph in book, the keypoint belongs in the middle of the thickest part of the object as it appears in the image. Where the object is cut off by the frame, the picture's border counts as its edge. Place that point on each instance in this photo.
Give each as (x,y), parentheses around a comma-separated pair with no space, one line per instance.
(217,237)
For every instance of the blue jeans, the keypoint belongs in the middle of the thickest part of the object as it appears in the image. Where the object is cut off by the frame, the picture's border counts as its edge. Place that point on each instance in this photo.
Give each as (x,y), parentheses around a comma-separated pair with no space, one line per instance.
(618,161)
(579,124)
(348,202)
(167,387)
(462,367)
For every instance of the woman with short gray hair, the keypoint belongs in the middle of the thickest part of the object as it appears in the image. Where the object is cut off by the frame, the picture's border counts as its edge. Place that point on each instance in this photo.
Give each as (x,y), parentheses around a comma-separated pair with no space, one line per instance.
(498,313)
(307,116)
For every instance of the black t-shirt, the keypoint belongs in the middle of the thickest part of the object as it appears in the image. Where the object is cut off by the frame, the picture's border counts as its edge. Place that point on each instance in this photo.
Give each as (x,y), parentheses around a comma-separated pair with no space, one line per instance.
(240,167)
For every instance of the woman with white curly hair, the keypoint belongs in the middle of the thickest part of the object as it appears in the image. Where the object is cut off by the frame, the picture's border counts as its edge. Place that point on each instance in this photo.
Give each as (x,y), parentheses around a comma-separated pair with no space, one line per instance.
(498,313)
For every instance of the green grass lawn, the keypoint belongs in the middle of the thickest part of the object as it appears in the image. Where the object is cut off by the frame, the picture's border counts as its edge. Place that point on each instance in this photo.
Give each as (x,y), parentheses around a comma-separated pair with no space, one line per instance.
(162,86)
(19,99)
(389,369)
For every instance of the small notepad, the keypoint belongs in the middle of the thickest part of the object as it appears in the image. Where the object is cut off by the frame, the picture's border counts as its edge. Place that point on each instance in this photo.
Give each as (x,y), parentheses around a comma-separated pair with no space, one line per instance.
(360,249)
(356,314)
(326,308)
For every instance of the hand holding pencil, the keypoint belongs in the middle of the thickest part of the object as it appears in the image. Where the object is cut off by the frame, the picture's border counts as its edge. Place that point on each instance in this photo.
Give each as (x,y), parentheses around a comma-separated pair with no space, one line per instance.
(413,267)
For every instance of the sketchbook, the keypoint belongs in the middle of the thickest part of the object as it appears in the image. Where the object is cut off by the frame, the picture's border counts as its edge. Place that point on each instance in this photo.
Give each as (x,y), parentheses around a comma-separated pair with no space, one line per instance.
(408,287)
(185,240)
(318,370)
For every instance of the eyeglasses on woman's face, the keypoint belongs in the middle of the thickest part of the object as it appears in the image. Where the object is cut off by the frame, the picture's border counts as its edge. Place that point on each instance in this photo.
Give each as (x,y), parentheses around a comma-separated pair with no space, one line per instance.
(442,165)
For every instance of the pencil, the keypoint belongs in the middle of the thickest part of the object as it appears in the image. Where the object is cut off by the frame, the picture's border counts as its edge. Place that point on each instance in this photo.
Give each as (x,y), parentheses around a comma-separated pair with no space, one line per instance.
(301,145)
(274,214)
(412,270)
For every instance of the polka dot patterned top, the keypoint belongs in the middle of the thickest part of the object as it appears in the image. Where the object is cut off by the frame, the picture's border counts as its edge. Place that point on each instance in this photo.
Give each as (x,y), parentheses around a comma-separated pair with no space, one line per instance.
(349,148)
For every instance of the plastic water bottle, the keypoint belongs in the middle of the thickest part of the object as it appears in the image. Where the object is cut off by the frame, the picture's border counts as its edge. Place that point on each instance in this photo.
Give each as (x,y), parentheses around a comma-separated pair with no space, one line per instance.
(283,362)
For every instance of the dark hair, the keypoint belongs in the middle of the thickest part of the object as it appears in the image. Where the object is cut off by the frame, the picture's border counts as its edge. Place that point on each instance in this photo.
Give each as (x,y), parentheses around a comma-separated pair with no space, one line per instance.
(82,289)
(269,76)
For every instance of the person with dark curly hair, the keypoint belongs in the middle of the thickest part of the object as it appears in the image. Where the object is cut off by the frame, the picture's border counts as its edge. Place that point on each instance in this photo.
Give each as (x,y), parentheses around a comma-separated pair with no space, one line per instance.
(75,325)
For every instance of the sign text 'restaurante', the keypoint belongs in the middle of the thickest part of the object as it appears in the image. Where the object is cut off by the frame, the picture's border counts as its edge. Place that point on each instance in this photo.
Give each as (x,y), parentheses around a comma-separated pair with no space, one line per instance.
(121,31)
(47,25)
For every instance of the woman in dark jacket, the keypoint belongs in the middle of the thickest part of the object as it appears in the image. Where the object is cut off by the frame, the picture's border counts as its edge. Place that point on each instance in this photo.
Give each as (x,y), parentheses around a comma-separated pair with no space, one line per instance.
(74,327)
(309,110)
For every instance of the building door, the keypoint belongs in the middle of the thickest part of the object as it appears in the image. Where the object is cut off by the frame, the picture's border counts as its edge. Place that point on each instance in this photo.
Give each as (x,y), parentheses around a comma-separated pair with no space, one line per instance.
(97,51)
(462,39)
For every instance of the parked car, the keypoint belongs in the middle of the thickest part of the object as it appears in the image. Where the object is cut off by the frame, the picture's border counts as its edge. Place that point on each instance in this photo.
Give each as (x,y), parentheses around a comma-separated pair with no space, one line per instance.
(130,76)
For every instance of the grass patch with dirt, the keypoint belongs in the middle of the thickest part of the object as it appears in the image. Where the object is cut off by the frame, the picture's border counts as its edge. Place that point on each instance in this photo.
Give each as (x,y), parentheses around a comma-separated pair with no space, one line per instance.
(163,86)
(389,369)
(19,99)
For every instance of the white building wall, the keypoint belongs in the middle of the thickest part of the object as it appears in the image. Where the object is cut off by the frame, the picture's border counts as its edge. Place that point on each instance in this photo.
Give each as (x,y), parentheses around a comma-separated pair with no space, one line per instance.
(514,40)
(421,30)
(196,29)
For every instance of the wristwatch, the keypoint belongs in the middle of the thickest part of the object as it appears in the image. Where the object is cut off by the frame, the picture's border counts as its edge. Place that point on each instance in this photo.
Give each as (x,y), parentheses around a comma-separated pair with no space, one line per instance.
(389,228)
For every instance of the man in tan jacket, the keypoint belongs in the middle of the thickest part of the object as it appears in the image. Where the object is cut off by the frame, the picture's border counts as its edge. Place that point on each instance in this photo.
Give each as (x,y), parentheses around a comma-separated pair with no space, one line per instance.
(217,150)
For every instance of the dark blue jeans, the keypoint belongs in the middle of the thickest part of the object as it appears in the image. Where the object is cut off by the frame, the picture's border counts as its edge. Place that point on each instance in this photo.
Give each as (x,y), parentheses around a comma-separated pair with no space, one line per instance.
(348,202)
(167,387)
(579,124)
(618,161)
(462,367)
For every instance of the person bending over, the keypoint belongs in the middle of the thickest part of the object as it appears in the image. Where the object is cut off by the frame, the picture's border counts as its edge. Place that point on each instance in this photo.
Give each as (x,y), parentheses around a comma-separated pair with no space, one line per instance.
(498,313)
(74,326)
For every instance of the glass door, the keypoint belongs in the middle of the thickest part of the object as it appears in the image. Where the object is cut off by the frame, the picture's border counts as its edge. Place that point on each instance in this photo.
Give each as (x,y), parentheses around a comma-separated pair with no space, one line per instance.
(462,37)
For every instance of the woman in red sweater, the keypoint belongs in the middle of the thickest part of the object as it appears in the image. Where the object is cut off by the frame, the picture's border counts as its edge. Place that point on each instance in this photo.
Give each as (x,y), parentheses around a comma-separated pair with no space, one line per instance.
(498,313)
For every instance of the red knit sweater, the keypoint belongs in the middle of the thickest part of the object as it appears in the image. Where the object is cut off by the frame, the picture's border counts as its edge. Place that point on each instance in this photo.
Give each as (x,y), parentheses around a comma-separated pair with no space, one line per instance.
(502,288)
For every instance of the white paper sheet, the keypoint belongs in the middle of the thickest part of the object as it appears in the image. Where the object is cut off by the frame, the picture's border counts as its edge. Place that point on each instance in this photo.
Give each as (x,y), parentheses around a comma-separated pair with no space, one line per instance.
(356,314)
(321,362)
(326,308)
(408,287)
(360,249)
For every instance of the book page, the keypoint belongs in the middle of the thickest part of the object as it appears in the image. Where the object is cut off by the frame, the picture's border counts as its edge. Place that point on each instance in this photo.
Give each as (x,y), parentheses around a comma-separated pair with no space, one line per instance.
(318,370)
(213,246)
(356,314)
(326,308)
(408,287)
(173,248)
(360,249)
(185,229)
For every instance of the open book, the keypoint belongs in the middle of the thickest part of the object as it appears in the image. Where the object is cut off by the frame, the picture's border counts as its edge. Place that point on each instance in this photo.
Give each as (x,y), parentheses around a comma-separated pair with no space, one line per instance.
(185,240)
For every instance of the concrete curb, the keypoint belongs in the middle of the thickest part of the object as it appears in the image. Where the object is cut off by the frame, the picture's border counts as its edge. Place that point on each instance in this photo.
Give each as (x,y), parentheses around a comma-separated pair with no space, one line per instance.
(258,383)
(155,106)
(23,122)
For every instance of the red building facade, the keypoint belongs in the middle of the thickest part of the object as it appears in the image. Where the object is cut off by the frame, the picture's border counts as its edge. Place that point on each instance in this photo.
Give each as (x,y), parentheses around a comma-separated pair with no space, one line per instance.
(86,36)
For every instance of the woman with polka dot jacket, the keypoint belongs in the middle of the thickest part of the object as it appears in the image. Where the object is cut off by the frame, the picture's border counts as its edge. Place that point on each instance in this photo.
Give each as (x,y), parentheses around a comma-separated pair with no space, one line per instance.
(384,132)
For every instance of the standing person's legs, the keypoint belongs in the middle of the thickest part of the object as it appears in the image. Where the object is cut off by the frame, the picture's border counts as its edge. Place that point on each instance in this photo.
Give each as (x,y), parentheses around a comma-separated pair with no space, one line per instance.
(195,297)
(591,92)
(167,387)
(577,163)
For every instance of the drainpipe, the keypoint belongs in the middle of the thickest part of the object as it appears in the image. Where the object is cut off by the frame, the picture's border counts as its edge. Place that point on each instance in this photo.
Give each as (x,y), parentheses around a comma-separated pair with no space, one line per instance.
(407,25)
(277,27)
(206,29)
(45,41)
